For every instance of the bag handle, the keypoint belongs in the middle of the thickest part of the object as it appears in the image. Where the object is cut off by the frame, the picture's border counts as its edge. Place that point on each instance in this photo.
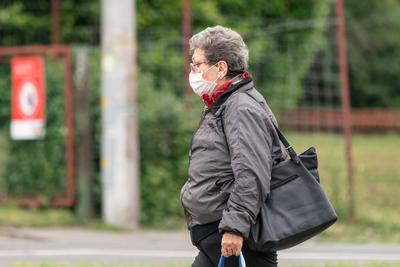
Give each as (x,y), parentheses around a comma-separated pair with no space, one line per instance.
(242,262)
(292,153)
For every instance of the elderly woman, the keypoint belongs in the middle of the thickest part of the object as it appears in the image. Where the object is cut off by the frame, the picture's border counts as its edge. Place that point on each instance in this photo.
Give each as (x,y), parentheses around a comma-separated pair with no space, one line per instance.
(231,153)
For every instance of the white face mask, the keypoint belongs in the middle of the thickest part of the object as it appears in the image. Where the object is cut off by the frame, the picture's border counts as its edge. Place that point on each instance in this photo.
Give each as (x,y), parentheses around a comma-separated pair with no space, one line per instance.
(199,85)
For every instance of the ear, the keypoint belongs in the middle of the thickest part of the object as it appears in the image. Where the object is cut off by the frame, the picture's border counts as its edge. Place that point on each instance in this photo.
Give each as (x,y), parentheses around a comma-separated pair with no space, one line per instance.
(223,68)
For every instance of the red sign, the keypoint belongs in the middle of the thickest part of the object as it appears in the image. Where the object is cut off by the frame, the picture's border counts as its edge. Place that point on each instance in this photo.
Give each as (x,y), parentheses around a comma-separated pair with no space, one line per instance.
(28,99)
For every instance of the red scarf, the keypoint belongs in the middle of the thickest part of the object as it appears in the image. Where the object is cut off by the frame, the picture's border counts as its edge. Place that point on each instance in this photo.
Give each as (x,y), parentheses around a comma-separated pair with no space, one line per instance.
(209,100)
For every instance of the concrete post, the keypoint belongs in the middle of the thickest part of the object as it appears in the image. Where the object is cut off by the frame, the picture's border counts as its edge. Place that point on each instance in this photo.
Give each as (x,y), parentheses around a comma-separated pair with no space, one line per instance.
(120,158)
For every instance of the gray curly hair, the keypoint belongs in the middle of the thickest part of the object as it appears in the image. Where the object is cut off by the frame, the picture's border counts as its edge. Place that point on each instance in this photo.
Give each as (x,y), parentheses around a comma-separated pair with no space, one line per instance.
(220,43)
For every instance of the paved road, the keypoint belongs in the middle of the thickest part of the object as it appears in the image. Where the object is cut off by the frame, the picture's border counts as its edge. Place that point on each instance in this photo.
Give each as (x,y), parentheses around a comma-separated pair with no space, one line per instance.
(89,246)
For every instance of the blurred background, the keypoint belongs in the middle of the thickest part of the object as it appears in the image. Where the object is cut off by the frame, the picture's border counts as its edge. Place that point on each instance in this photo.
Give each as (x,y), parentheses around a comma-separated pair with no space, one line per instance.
(294,61)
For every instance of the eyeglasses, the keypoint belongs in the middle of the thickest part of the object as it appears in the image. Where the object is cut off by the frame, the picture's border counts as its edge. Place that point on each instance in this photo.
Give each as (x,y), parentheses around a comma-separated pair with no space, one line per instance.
(195,66)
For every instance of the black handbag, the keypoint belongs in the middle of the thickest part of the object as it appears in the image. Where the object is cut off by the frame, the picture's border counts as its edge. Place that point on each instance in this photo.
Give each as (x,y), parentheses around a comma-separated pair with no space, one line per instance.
(296,208)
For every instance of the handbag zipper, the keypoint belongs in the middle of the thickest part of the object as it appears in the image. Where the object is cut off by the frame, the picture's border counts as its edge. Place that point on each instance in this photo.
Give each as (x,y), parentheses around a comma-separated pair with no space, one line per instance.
(287,180)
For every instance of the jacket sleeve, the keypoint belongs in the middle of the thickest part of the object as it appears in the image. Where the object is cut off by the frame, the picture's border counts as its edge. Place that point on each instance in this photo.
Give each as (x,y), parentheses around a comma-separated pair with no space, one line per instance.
(248,131)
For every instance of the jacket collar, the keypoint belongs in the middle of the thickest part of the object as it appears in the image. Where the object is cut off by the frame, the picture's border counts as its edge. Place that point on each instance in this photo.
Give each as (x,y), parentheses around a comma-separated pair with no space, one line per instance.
(210,99)
(243,85)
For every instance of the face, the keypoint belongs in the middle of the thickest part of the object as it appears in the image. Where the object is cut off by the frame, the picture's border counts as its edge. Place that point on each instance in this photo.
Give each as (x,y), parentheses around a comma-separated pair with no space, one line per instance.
(210,72)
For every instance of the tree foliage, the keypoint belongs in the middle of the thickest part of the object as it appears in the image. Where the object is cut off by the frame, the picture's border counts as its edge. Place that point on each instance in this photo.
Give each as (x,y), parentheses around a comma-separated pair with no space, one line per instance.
(374,52)
(25,22)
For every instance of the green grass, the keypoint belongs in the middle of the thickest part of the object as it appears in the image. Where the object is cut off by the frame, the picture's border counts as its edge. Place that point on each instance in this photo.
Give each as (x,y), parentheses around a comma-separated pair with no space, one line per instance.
(15,216)
(309,265)
(18,217)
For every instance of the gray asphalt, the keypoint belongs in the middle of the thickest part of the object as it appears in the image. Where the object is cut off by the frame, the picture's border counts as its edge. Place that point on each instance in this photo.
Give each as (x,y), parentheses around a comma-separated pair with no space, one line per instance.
(77,245)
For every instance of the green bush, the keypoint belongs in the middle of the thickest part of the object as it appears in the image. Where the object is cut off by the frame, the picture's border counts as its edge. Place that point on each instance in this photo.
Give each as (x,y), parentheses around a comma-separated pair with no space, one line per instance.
(33,167)
(165,132)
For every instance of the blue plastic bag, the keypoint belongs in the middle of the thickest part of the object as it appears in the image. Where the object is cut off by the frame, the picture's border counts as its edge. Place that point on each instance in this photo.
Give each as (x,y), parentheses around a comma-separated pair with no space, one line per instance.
(242,263)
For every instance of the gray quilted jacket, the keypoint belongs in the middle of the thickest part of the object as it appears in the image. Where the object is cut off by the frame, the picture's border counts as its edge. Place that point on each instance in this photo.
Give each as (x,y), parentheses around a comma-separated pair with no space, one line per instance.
(230,161)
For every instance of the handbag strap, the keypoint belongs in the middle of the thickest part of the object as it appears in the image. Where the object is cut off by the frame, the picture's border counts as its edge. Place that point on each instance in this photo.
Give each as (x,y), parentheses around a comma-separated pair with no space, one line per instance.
(242,262)
(292,153)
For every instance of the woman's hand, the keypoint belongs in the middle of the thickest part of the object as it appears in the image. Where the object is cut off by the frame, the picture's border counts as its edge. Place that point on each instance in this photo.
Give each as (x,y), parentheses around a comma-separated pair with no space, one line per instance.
(231,244)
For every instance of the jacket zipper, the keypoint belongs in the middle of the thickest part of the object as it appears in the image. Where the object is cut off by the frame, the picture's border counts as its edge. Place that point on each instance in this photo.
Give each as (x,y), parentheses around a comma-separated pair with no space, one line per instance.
(200,123)
(190,157)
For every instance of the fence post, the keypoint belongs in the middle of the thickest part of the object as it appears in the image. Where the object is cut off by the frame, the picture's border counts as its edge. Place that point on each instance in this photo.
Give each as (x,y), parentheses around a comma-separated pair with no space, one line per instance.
(345,95)
(84,142)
